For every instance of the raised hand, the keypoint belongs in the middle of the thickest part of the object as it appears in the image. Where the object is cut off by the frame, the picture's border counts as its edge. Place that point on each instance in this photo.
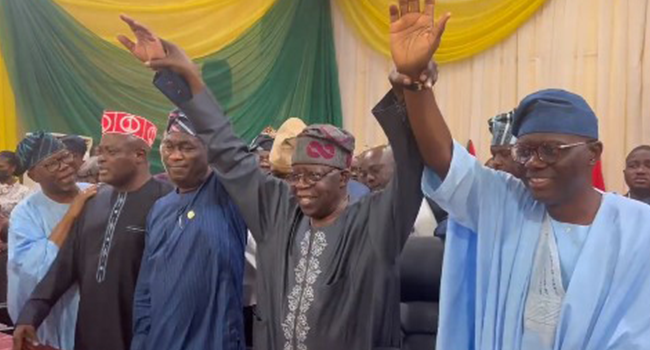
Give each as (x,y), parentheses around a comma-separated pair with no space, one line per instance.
(147,46)
(159,54)
(414,36)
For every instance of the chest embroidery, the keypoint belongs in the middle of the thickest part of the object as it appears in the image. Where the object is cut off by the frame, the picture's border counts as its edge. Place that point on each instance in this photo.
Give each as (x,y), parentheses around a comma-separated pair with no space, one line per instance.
(296,326)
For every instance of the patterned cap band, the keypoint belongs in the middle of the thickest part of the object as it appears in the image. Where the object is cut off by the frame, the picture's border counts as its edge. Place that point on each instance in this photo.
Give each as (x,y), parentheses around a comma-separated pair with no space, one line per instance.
(501,129)
(129,124)
(36,147)
(326,145)
(178,122)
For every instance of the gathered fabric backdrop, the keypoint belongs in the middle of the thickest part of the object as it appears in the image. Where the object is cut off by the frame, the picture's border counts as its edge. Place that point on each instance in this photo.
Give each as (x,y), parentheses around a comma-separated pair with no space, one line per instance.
(268,60)
(64,75)
(253,47)
(477,24)
(595,48)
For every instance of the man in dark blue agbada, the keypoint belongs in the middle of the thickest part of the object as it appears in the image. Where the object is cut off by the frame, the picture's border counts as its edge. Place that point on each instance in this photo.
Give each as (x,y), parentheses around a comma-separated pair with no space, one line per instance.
(189,292)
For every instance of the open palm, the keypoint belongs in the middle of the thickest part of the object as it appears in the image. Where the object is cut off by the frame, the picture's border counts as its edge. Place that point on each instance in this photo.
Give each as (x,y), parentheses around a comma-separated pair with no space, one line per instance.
(414,36)
(147,46)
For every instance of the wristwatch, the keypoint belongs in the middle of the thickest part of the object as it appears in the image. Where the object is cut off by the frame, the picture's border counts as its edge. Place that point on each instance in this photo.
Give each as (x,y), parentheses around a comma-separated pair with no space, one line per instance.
(417,86)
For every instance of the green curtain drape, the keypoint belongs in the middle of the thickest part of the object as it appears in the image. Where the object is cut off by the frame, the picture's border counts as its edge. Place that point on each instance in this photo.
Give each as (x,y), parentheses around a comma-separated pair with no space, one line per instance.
(64,76)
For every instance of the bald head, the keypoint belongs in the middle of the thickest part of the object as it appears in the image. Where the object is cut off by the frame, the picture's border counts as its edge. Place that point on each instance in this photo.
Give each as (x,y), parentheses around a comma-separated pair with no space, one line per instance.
(377,167)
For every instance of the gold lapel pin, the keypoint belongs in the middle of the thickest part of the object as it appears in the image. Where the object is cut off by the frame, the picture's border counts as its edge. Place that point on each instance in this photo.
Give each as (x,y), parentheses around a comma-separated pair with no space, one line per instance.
(190,214)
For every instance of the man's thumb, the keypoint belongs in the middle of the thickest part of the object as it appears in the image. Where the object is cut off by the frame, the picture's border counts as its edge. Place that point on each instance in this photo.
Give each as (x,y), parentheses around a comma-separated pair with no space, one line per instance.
(160,63)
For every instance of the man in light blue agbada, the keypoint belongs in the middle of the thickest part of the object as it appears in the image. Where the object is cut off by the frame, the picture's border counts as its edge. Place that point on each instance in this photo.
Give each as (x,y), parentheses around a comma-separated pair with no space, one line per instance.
(554,264)
(38,227)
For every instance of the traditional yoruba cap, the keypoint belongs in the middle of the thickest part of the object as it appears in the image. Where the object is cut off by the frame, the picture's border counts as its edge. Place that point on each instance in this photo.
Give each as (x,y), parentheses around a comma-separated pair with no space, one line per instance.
(555,111)
(284,145)
(263,141)
(325,145)
(129,124)
(34,148)
(501,129)
(177,121)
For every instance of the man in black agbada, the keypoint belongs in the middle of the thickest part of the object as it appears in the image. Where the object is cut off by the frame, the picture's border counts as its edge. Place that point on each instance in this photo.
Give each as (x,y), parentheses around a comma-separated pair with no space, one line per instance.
(328,272)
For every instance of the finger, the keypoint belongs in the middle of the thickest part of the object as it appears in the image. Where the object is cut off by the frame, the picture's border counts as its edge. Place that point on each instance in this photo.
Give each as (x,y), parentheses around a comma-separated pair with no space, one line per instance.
(428,73)
(18,343)
(394,13)
(138,28)
(403,7)
(393,76)
(31,342)
(130,45)
(429,6)
(414,6)
(442,24)
(397,78)
(131,22)
(126,19)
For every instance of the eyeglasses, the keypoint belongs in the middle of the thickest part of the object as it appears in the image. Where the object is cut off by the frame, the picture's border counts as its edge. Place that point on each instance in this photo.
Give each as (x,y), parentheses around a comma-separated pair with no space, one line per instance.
(308,178)
(547,153)
(55,164)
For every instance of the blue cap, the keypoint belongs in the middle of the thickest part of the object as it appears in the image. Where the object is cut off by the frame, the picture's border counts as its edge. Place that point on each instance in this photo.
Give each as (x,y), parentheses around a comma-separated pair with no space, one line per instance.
(555,111)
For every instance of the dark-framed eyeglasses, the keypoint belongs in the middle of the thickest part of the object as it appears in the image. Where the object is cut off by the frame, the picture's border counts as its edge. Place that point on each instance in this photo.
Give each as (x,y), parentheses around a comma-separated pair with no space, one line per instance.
(55,164)
(308,178)
(546,152)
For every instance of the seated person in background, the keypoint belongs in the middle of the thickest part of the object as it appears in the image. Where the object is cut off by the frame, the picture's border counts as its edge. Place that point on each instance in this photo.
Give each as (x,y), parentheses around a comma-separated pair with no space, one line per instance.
(78,147)
(11,191)
(637,173)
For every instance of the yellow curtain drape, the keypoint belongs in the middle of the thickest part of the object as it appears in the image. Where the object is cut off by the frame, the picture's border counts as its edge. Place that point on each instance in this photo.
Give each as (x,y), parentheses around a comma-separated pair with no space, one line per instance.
(201,27)
(475,25)
(8,118)
(596,48)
